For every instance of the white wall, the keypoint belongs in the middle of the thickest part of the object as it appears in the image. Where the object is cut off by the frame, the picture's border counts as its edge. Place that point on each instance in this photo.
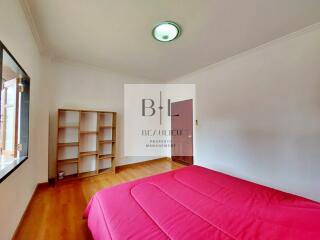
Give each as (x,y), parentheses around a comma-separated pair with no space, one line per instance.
(17,189)
(259,114)
(79,86)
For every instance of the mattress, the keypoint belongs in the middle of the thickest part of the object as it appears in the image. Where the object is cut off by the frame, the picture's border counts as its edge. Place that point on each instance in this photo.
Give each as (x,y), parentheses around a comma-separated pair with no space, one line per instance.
(198,203)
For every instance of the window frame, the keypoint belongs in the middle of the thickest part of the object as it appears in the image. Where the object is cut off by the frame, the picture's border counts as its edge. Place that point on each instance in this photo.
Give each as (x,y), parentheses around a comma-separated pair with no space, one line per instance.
(17,162)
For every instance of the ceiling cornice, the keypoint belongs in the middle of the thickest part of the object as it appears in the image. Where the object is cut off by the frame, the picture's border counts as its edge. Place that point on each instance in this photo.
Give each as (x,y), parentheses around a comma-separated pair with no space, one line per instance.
(31,22)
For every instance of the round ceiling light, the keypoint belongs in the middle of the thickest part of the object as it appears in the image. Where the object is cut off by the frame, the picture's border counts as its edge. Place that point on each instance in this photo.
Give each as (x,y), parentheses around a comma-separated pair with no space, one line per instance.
(166,31)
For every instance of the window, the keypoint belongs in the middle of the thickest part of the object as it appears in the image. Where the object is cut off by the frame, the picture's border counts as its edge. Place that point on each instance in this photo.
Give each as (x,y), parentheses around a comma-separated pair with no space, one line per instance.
(14,114)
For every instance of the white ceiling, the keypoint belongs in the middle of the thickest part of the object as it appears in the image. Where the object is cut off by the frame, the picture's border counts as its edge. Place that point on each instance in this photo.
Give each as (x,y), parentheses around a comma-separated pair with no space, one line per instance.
(116,35)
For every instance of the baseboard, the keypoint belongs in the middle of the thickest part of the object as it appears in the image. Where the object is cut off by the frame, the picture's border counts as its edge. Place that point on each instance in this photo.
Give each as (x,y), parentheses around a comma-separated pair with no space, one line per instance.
(52,181)
(39,185)
(143,162)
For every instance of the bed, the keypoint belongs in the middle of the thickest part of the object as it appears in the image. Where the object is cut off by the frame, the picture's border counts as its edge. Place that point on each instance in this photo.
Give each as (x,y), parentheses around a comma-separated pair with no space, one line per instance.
(198,203)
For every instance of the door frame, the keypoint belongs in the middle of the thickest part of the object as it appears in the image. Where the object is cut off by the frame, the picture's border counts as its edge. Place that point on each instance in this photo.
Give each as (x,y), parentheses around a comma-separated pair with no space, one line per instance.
(193,135)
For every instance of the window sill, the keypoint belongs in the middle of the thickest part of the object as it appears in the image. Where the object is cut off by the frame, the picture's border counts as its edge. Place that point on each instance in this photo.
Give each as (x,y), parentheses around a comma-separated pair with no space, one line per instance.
(8,166)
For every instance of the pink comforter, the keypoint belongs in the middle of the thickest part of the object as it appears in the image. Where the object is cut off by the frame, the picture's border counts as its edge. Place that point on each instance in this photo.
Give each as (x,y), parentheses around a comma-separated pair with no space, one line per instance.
(198,203)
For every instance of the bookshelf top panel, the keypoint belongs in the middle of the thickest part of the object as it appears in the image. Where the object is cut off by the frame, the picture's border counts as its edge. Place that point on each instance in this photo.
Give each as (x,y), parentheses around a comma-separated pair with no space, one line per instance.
(83,110)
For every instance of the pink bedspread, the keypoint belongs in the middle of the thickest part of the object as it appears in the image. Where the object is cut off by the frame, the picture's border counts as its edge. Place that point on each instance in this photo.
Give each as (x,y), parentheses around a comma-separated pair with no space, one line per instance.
(198,203)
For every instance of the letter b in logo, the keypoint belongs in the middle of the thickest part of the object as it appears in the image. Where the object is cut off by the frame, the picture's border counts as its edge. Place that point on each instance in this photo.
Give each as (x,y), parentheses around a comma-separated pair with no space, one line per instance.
(148,104)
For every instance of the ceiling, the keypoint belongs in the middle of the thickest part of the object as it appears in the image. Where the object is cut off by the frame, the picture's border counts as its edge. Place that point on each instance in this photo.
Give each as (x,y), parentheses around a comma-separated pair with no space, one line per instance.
(116,35)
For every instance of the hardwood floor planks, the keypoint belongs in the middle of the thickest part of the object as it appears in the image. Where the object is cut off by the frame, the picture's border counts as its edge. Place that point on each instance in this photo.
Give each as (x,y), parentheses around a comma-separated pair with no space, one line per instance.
(56,212)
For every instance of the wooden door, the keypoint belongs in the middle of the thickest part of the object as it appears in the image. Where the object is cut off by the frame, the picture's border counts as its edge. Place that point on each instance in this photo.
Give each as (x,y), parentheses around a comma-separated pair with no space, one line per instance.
(182,132)
(9,117)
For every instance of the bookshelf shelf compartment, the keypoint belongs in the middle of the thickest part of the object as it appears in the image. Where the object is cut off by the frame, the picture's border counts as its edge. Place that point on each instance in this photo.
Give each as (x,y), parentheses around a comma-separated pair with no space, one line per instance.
(69,144)
(68,161)
(91,153)
(63,127)
(86,143)
(105,156)
(88,132)
(106,141)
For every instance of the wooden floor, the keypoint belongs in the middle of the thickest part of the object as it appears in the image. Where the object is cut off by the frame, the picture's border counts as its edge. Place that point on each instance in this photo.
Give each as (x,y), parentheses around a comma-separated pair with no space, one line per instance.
(56,212)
